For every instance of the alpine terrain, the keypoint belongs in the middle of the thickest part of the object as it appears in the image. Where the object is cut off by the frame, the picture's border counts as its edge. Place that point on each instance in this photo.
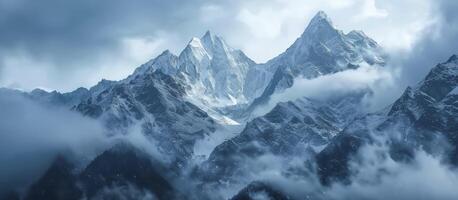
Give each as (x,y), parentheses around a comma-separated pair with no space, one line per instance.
(188,126)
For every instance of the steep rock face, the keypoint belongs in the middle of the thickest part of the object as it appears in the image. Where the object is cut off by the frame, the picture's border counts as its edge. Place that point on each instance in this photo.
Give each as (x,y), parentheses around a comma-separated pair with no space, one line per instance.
(166,62)
(421,118)
(156,103)
(123,166)
(442,118)
(302,127)
(437,84)
(282,77)
(321,49)
(214,68)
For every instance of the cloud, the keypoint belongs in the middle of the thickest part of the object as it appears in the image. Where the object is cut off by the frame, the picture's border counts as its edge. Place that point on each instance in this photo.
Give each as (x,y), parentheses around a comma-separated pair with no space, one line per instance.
(435,44)
(375,175)
(205,146)
(32,136)
(377,79)
(84,38)
(269,27)
(52,44)
(378,177)
(137,138)
(369,9)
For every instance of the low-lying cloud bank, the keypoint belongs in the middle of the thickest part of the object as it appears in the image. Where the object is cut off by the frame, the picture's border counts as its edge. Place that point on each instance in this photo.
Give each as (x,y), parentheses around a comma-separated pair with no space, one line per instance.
(375,176)
(379,80)
(425,178)
(33,135)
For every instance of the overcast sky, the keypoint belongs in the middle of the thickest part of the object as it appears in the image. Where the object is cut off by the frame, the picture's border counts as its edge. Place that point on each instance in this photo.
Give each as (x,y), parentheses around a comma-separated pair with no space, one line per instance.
(55,44)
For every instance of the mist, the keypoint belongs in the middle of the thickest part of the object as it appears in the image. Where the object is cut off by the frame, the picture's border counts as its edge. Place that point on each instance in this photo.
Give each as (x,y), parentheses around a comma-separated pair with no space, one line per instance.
(33,135)
(426,178)
(379,80)
(374,176)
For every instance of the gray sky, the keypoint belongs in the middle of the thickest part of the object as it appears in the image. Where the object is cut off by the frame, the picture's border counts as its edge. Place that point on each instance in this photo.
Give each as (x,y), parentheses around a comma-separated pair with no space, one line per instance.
(55,44)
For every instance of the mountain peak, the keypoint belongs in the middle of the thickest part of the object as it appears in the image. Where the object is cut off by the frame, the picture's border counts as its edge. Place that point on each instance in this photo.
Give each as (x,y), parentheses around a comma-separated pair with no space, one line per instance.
(163,57)
(321,15)
(166,53)
(207,34)
(210,40)
(321,18)
(442,79)
(320,25)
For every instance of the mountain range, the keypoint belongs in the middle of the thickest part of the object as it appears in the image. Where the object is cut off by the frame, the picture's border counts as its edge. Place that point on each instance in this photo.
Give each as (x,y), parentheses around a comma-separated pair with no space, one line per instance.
(206,97)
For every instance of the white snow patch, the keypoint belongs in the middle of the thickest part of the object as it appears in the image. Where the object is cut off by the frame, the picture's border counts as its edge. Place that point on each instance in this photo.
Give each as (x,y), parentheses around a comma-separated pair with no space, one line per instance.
(204,147)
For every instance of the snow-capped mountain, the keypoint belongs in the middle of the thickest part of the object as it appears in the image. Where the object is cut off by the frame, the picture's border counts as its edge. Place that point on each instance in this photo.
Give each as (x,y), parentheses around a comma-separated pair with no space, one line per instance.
(424,117)
(156,103)
(320,50)
(213,71)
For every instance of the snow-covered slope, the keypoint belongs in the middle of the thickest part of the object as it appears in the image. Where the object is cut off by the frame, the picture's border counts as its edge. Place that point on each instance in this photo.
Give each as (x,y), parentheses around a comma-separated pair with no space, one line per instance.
(166,62)
(155,102)
(213,71)
(216,70)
